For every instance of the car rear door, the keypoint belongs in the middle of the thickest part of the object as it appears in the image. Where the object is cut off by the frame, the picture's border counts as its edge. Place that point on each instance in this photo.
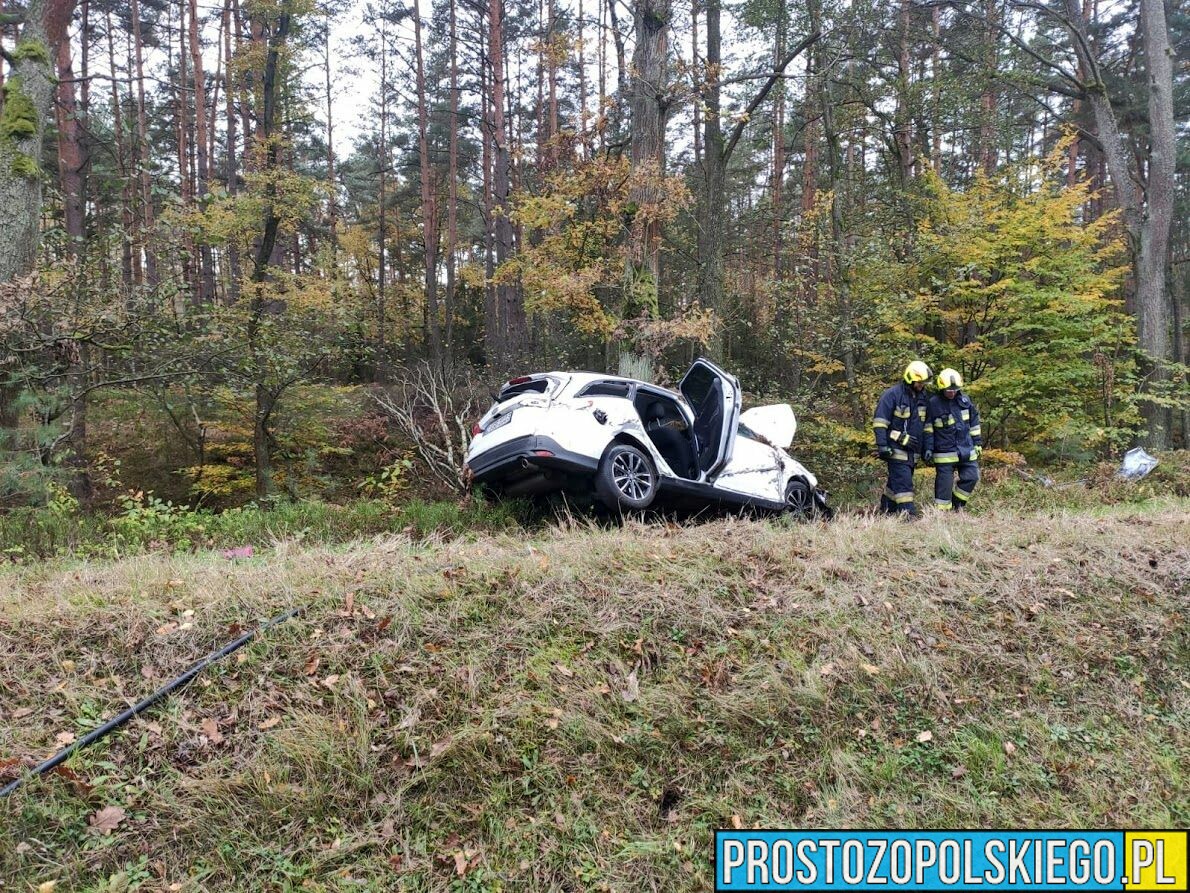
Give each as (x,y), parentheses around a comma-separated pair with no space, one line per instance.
(715,398)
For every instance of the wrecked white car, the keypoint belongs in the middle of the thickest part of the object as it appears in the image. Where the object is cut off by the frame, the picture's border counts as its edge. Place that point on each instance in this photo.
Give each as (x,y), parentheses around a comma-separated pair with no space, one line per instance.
(632,444)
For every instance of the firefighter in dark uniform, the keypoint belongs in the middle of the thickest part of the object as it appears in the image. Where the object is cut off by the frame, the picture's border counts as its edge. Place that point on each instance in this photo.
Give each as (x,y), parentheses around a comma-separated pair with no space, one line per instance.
(954,442)
(899,426)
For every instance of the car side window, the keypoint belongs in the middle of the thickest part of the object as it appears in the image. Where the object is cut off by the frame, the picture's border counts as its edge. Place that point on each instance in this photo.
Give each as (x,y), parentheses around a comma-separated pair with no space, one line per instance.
(697,385)
(605,389)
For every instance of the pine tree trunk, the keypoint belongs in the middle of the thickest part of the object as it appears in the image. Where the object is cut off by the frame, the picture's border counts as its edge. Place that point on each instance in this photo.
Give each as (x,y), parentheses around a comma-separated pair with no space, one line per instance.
(70,152)
(510,311)
(493,343)
(429,211)
(622,90)
(712,228)
(28,96)
(1153,298)
(127,220)
(332,208)
(230,88)
(206,281)
(776,187)
(651,24)
(145,222)
(903,135)
(1146,203)
(381,372)
(452,210)
(266,397)
(988,99)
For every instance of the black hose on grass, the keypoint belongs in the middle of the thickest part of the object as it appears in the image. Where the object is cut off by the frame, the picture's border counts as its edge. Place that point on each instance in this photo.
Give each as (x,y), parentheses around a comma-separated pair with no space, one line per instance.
(91,737)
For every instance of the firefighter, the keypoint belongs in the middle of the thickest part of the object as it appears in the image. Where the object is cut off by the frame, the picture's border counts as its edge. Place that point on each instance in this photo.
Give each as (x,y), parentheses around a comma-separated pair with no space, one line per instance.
(954,442)
(899,427)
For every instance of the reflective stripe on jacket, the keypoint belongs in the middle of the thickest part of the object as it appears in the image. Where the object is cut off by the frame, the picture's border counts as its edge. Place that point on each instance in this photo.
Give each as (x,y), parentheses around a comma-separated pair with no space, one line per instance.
(899,421)
(954,430)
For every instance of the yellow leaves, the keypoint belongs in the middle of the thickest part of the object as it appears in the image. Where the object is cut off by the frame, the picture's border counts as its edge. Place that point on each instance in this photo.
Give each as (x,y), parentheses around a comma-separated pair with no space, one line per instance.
(583,223)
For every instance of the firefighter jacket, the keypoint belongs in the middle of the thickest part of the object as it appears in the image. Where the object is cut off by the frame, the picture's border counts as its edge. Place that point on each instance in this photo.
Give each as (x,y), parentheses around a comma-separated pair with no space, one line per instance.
(899,422)
(953,431)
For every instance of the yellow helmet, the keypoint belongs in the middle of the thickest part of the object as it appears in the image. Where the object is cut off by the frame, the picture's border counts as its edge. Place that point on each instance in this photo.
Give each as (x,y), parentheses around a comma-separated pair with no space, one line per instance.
(917,371)
(949,378)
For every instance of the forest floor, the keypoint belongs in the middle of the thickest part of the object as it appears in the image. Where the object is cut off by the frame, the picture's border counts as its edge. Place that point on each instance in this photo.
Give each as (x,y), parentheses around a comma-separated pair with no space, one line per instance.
(578,707)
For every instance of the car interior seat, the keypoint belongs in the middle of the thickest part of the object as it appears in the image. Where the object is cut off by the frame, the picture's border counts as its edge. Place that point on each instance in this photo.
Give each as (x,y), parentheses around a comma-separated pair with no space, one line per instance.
(674,445)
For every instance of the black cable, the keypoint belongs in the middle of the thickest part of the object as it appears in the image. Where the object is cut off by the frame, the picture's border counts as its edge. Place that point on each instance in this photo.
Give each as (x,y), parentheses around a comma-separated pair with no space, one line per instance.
(91,737)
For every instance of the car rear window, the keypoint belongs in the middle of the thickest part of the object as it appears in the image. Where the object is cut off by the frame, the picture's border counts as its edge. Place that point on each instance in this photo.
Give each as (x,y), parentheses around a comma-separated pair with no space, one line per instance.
(605,389)
(536,386)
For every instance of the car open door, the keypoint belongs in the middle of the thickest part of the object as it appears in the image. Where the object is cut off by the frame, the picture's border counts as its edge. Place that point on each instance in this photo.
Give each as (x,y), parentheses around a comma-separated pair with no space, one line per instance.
(715,398)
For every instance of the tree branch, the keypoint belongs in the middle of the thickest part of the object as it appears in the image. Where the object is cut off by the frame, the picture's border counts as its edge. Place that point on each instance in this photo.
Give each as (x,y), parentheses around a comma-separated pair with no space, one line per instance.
(763,92)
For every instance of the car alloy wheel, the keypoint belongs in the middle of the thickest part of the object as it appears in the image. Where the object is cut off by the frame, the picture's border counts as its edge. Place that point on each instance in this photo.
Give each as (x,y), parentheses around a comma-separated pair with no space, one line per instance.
(626,478)
(632,475)
(799,499)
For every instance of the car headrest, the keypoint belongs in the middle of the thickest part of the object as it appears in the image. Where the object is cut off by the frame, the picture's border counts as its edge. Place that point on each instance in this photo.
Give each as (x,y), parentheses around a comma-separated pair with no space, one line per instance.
(655,411)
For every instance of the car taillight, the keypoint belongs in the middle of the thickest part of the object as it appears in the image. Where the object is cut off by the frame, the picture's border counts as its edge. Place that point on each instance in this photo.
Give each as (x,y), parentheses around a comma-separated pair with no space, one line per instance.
(545,454)
(520,380)
(476,430)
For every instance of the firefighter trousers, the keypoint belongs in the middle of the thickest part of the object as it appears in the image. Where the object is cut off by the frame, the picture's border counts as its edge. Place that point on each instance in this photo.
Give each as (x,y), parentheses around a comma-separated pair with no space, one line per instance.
(950,494)
(898,492)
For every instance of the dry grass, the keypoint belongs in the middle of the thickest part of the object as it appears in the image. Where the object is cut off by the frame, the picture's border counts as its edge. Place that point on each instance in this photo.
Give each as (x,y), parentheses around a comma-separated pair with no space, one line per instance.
(578,708)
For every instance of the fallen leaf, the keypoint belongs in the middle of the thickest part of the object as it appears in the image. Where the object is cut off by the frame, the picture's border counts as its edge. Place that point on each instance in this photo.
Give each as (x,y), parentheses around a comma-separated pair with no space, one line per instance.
(564,670)
(958,771)
(21,713)
(827,669)
(1009,748)
(737,822)
(923,737)
(210,728)
(460,863)
(270,722)
(238,552)
(312,665)
(384,623)
(870,669)
(76,781)
(631,688)
(106,820)
(47,886)
(64,738)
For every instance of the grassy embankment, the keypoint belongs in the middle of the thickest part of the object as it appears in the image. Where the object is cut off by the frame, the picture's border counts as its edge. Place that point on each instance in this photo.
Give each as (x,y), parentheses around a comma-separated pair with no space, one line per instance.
(577,708)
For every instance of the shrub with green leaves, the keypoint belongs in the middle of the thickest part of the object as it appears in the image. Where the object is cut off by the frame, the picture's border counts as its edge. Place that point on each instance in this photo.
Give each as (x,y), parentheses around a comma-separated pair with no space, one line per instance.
(1025,299)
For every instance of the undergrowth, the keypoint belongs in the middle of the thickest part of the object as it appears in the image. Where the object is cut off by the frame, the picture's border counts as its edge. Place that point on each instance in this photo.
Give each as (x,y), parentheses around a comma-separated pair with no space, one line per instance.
(146,524)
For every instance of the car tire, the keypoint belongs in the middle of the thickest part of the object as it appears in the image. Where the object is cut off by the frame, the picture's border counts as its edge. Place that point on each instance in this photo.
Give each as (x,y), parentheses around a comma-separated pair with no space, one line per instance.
(799,500)
(627,479)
